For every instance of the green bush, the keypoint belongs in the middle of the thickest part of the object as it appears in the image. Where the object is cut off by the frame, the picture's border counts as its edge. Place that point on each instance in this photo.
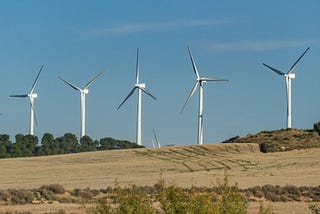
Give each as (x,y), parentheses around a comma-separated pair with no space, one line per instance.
(232,201)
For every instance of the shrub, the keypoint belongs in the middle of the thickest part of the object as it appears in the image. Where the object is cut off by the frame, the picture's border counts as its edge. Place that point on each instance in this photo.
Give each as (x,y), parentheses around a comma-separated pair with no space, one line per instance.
(263,210)
(231,200)
(19,197)
(315,208)
(54,188)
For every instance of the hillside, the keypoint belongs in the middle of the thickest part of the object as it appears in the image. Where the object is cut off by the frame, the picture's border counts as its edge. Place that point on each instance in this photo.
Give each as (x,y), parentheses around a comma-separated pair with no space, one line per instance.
(181,165)
(281,140)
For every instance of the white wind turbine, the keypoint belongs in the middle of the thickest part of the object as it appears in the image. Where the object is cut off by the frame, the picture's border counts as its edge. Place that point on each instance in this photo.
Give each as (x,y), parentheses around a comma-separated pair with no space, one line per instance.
(199,81)
(83,93)
(31,96)
(141,88)
(288,76)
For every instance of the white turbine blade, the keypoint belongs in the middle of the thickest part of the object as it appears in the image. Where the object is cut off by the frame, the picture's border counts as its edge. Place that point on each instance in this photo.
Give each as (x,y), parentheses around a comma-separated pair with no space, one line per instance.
(275,70)
(155,136)
(148,93)
(20,96)
(193,64)
(190,95)
(93,79)
(36,80)
(129,95)
(212,79)
(137,67)
(294,65)
(70,84)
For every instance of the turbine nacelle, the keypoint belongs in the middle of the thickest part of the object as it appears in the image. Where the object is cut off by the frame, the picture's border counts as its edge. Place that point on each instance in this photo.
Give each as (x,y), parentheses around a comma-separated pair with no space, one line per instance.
(140,85)
(290,75)
(33,95)
(85,91)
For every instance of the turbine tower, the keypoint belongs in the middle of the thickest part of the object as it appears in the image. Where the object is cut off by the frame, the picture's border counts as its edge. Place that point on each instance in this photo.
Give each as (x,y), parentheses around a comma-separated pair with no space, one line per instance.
(199,82)
(288,76)
(31,96)
(141,88)
(83,93)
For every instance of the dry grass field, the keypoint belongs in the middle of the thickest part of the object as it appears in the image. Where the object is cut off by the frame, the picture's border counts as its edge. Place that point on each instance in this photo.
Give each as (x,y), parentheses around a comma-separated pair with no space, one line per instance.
(182,165)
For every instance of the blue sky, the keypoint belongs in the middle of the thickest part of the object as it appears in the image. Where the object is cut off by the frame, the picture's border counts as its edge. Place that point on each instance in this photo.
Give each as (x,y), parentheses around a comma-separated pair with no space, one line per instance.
(229,39)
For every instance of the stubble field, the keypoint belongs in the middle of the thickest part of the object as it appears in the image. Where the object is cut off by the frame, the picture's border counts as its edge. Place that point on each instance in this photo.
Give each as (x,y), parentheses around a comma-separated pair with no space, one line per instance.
(182,166)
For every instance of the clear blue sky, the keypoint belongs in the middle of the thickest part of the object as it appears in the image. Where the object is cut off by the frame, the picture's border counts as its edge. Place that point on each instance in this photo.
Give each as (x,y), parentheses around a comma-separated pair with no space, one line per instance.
(229,39)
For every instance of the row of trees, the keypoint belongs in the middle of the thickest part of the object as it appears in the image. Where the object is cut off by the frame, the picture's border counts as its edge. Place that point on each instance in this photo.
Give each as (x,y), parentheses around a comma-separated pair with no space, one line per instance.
(28,145)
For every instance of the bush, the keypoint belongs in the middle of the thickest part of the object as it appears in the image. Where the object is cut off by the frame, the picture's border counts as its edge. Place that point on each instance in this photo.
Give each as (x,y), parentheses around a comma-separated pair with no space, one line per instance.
(263,210)
(231,201)
(19,197)
(315,208)
(54,188)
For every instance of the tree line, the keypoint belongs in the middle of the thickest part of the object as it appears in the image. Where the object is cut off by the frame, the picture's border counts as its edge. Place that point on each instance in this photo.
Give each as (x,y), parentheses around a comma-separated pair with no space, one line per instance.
(29,145)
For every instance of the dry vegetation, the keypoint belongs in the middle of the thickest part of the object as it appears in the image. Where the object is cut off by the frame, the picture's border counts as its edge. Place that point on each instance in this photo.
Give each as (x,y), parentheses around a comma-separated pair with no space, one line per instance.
(281,140)
(183,166)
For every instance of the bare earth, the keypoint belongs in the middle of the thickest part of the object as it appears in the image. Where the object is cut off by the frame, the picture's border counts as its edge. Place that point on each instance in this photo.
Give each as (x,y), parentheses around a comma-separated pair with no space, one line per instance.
(182,166)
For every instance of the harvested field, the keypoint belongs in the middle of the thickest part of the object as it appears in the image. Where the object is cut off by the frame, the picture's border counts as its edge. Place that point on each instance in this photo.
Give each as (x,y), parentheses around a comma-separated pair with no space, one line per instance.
(182,166)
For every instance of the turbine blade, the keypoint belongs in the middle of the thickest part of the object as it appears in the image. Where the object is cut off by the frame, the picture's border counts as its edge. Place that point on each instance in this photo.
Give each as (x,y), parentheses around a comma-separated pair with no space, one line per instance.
(155,136)
(193,64)
(190,95)
(275,70)
(70,84)
(294,65)
(129,95)
(212,79)
(93,79)
(137,67)
(21,96)
(36,80)
(148,93)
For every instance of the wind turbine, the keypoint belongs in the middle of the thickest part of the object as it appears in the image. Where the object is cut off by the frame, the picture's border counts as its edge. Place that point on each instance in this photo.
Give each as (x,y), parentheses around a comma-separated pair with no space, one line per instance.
(31,96)
(83,93)
(288,76)
(199,82)
(141,88)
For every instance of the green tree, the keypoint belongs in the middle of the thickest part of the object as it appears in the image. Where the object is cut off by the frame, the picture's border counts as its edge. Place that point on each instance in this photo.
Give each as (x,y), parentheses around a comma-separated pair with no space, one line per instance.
(5,145)
(68,143)
(25,146)
(316,127)
(87,144)
(48,145)
(108,143)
